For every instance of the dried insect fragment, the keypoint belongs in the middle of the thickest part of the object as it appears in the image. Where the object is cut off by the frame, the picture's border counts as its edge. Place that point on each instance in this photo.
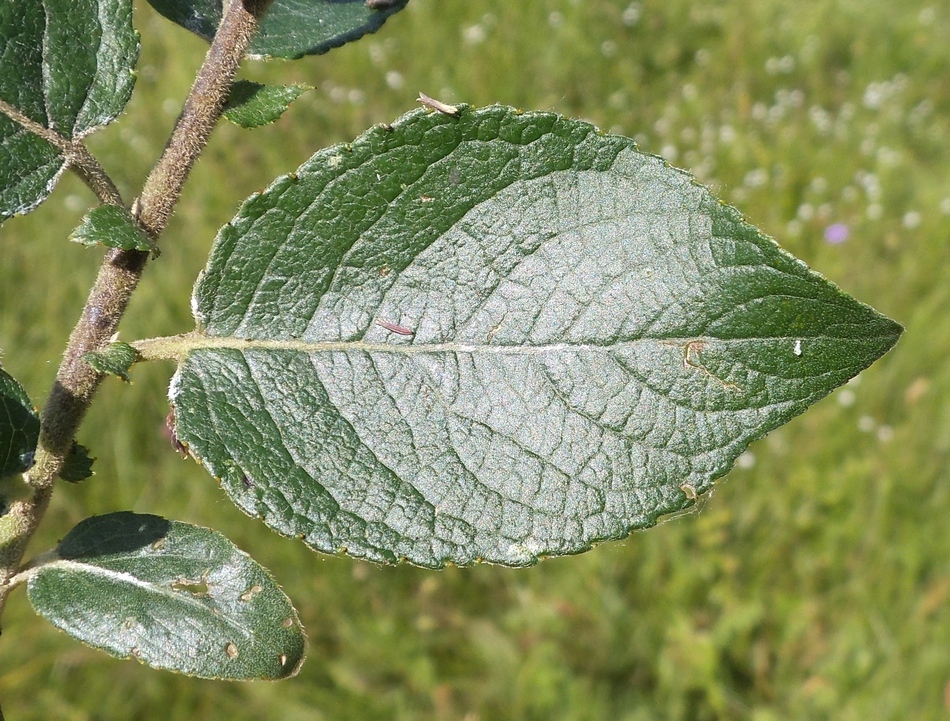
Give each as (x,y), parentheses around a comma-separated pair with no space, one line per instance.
(444,108)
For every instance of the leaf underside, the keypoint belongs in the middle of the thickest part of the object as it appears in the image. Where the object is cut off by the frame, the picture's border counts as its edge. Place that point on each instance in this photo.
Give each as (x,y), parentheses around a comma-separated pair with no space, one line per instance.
(172,595)
(290,29)
(67,66)
(498,336)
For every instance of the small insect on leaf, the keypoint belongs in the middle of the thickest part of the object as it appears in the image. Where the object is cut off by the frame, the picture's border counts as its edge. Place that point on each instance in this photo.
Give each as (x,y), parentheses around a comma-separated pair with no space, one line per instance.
(444,108)
(380,4)
(400,329)
(172,435)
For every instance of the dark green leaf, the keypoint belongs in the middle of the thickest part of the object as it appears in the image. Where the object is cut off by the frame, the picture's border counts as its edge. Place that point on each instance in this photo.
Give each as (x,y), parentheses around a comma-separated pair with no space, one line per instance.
(496,336)
(113,227)
(171,595)
(116,359)
(291,28)
(65,65)
(19,427)
(78,465)
(251,105)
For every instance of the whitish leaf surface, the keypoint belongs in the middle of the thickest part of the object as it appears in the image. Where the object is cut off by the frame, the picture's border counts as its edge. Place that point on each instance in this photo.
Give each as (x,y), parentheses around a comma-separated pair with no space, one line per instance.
(171,595)
(251,105)
(291,28)
(495,336)
(65,65)
(19,427)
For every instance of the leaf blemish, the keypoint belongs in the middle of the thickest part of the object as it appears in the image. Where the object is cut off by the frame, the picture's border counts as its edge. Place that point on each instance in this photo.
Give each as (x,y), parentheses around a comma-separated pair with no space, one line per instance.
(691,360)
(187,585)
(689,491)
(251,592)
(394,327)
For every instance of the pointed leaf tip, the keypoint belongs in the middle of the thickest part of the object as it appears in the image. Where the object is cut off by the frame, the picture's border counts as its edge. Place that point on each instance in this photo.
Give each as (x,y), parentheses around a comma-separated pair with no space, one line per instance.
(251,105)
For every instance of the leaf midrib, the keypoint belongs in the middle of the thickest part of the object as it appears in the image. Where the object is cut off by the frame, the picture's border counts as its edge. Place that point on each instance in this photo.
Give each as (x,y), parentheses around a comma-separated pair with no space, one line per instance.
(151,587)
(177,347)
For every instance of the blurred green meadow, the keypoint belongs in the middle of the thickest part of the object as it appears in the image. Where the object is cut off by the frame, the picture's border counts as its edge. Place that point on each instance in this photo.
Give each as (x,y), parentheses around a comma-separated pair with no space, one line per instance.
(815,584)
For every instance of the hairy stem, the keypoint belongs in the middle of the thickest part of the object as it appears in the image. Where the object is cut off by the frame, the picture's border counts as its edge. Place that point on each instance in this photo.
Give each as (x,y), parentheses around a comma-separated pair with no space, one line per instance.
(201,112)
(76,382)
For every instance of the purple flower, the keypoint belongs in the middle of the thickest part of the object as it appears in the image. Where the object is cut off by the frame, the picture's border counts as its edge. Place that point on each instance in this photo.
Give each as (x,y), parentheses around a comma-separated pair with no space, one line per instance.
(837,233)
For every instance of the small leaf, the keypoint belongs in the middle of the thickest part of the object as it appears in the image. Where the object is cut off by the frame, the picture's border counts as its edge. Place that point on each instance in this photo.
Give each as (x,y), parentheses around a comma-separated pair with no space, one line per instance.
(291,28)
(115,359)
(113,227)
(78,465)
(19,427)
(172,595)
(65,85)
(251,105)
(495,336)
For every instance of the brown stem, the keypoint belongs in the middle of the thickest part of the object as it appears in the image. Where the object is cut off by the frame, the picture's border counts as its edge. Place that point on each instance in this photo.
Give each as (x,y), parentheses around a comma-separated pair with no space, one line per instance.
(198,117)
(76,381)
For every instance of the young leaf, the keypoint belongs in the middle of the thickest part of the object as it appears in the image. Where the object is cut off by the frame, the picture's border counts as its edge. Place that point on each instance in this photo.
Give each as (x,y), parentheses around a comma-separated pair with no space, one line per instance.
(19,427)
(495,336)
(78,465)
(117,359)
(251,105)
(112,227)
(172,595)
(291,28)
(65,65)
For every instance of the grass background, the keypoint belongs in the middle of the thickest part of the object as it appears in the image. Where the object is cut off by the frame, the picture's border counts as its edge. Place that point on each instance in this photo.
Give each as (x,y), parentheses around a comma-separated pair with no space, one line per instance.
(814,585)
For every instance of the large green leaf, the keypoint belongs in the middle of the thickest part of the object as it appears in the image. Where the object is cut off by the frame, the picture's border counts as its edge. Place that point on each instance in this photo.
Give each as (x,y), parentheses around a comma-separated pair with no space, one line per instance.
(495,336)
(171,595)
(19,427)
(291,28)
(67,66)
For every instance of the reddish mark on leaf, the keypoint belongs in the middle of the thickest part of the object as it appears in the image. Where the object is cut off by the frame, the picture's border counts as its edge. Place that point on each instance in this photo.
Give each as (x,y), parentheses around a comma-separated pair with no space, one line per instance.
(393,327)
